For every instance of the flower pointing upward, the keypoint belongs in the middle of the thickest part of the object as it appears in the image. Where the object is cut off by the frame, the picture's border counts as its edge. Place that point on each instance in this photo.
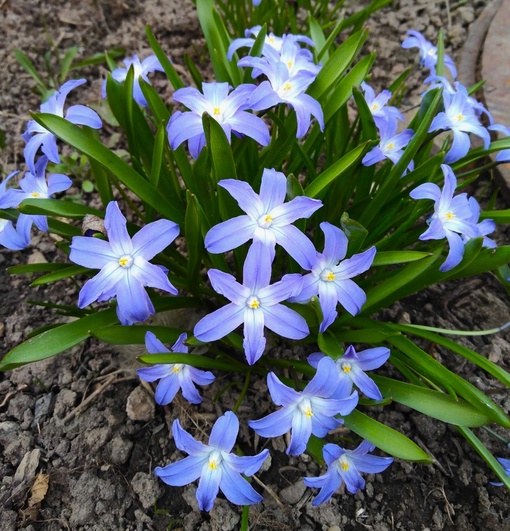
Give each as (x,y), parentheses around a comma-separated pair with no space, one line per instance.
(215,465)
(124,264)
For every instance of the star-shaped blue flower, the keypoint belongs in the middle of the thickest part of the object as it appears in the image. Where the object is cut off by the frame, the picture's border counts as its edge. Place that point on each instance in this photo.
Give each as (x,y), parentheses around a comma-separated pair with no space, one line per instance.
(215,465)
(124,264)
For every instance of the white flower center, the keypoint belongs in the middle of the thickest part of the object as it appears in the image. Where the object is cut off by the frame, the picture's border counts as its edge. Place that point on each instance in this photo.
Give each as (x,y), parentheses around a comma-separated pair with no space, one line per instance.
(327,275)
(305,407)
(253,303)
(265,221)
(126,261)
(215,460)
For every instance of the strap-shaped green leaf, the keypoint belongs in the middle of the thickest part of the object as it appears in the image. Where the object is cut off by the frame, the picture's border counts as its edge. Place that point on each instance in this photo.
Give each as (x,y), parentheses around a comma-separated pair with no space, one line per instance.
(384,258)
(339,169)
(69,271)
(57,207)
(135,335)
(385,438)
(170,71)
(432,403)
(56,340)
(78,139)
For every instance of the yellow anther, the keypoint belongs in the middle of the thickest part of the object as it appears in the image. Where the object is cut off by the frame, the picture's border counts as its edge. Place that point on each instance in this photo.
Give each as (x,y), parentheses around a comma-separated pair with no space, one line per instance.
(346,367)
(268,218)
(290,64)
(213,465)
(375,106)
(308,412)
(330,276)
(35,194)
(125,261)
(344,465)
(449,215)
(460,117)
(254,304)
(176,368)
(391,145)
(287,86)
(216,111)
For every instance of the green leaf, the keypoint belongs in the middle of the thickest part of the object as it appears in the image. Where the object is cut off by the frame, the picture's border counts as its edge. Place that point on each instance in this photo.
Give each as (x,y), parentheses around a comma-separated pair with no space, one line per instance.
(355,233)
(432,403)
(36,268)
(69,271)
(79,139)
(221,152)
(339,169)
(27,64)
(385,438)
(170,71)
(57,207)
(194,242)
(67,62)
(498,216)
(385,258)
(338,62)
(201,362)
(482,451)
(57,340)
(135,335)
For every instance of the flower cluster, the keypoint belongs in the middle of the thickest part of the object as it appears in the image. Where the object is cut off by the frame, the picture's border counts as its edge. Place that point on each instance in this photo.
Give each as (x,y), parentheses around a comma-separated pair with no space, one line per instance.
(303,255)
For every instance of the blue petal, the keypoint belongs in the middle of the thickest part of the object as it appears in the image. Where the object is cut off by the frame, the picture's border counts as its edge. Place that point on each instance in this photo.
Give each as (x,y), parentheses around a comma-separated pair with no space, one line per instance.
(186,443)
(189,391)
(182,472)
(322,384)
(154,238)
(301,432)
(115,225)
(250,125)
(183,126)
(81,115)
(107,278)
(247,199)
(273,188)
(350,296)
(224,432)
(226,285)
(281,395)
(166,390)
(208,486)
(335,243)
(365,384)
(219,323)
(274,424)
(371,464)
(296,244)
(285,322)
(257,270)
(247,465)
(254,341)
(58,182)
(151,275)
(330,483)
(372,358)
(153,344)
(91,252)
(133,303)
(230,234)
(236,489)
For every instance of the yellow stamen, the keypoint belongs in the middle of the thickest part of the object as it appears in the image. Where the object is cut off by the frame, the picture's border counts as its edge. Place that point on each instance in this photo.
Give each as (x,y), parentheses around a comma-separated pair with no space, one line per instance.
(35,194)
(253,303)
(330,276)
(177,368)
(391,145)
(346,367)
(449,215)
(460,117)
(125,261)
(268,218)
(375,106)
(213,465)
(287,86)
(216,111)
(308,412)
(290,64)
(345,466)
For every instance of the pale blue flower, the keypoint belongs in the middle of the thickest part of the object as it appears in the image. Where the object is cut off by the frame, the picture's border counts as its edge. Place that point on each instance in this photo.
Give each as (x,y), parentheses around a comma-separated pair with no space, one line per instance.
(124,264)
(9,236)
(37,136)
(141,69)
(268,219)
(229,110)
(428,52)
(391,145)
(461,118)
(451,219)
(173,376)
(484,227)
(215,465)
(351,370)
(284,87)
(255,304)
(381,112)
(35,186)
(305,412)
(344,466)
(504,154)
(330,277)
(270,41)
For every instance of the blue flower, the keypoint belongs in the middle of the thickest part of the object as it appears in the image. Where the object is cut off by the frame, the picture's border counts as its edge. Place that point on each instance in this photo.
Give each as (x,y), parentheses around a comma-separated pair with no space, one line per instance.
(460,116)
(141,69)
(268,219)
(124,264)
(255,303)
(351,370)
(9,236)
(377,104)
(305,412)
(391,145)
(344,466)
(330,276)
(428,52)
(173,376)
(229,110)
(284,86)
(215,465)
(37,136)
(35,186)
(270,41)
(504,154)
(451,219)
(484,227)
